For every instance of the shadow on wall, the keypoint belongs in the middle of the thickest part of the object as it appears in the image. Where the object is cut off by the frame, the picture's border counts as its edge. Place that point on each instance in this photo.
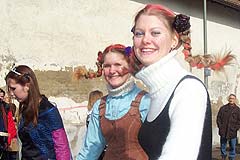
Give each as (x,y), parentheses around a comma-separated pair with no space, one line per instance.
(215,12)
(215,108)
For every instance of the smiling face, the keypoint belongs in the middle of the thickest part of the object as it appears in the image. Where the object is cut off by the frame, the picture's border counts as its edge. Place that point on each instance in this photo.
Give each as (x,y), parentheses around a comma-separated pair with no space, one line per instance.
(152,39)
(115,69)
(17,91)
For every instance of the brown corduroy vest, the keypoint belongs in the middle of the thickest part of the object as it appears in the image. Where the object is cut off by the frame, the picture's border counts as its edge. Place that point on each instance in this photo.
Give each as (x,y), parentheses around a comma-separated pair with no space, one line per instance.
(122,134)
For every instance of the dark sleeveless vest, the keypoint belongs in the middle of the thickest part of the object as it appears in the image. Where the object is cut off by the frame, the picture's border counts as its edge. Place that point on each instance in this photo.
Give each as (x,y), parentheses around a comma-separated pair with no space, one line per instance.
(152,135)
(122,134)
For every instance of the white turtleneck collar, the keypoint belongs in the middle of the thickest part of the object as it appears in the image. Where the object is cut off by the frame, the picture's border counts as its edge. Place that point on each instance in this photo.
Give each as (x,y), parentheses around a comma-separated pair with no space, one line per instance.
(161,78)
(125,88)
(164,72)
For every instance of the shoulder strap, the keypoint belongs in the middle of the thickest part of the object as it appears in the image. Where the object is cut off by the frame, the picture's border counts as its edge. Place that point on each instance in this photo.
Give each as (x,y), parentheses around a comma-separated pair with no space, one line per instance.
(137,100)
(102,106)
(186,77)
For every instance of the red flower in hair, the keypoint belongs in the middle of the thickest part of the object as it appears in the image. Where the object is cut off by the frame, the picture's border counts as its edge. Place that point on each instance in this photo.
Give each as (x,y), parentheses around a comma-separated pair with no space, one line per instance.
(187,46)
(186,53)
(128,51)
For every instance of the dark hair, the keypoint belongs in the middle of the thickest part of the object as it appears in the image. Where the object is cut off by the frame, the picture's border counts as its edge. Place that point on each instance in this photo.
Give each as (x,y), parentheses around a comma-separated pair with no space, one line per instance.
(13,108)
(232,95)
(2,91)
(24,75)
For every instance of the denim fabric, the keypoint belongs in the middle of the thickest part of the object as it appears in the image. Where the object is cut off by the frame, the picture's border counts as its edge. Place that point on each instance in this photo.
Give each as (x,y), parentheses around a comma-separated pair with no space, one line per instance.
(232,147)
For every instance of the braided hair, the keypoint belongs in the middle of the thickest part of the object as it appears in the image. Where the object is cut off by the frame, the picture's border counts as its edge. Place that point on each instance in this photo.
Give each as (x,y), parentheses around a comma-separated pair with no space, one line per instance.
(82,72)
(179,24)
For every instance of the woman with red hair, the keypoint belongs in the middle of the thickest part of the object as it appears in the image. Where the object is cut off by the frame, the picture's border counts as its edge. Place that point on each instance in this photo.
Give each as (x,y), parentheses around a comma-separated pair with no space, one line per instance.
(116,118)
(178,125)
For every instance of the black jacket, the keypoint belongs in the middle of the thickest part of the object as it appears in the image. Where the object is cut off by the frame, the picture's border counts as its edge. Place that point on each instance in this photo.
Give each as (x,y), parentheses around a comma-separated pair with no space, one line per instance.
(228,121)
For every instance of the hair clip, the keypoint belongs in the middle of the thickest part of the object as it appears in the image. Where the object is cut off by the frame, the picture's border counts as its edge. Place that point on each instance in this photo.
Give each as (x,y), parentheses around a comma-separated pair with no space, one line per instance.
(128,50)
(181,23)
(14,70)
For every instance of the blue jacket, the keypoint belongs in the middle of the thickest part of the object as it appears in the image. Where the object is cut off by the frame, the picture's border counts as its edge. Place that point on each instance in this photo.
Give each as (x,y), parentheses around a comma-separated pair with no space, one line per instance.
(48,138)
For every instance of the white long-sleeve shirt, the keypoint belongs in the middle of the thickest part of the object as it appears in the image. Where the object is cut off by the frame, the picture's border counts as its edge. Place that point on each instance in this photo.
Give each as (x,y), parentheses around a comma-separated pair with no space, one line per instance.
(187,109)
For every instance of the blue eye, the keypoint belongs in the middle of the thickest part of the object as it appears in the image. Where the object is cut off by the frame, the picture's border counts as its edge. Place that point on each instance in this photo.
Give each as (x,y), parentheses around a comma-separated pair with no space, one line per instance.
(155,33)
(139,34)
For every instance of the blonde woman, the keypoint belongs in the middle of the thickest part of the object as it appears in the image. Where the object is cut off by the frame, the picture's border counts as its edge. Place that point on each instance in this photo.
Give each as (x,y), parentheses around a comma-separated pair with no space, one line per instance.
(92,98)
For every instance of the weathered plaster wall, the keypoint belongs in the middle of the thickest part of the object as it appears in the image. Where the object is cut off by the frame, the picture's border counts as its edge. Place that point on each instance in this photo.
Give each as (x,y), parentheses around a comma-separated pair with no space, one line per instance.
(54,34)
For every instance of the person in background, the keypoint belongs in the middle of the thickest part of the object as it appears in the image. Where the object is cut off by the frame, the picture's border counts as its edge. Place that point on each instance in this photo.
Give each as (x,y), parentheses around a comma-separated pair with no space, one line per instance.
(40,127)
(228,122)
(117,117)
(92,98)
(12,106)
(179,124)
(7,126)
(13,148)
